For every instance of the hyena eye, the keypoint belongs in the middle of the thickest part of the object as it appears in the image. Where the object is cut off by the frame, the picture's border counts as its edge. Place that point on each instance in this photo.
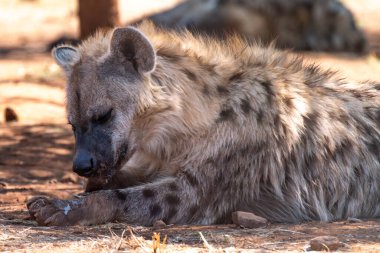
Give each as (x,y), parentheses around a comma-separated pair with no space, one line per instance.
(103,118)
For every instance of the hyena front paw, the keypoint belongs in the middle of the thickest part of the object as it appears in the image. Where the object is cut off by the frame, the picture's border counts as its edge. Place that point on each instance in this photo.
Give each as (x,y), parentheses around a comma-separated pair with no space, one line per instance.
(54,212)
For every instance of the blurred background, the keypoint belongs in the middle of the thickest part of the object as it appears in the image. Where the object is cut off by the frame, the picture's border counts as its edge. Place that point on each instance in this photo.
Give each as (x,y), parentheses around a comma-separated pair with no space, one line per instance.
(35,141)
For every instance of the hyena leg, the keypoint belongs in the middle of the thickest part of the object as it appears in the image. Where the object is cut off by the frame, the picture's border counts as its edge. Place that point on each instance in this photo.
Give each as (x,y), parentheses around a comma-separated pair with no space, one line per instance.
(93,208)
(174,200)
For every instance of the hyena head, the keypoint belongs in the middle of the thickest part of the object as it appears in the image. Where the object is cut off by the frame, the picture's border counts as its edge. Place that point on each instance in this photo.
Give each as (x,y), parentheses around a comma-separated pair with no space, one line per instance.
(105,77)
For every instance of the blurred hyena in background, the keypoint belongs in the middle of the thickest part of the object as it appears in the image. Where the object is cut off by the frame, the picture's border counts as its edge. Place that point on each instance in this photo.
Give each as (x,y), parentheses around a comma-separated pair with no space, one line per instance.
(189,129)
(318,25)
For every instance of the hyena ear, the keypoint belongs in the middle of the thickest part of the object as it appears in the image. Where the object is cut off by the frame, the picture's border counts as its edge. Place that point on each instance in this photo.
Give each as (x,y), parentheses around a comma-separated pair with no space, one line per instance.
(66,57)
(130,44)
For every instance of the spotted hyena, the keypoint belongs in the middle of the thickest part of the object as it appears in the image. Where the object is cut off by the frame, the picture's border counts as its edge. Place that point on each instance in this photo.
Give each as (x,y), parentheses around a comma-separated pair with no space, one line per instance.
(199,128)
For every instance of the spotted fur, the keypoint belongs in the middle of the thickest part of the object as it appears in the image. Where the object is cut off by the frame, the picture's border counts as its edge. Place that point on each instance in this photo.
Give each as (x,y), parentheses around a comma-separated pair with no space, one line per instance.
(271,135)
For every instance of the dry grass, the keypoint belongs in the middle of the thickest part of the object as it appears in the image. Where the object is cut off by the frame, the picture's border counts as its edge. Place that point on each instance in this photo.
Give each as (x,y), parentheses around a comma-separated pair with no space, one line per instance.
(24,236)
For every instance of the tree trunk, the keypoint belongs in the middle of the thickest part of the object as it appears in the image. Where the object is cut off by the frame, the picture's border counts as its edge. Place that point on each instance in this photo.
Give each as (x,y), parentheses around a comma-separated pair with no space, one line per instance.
(95,14)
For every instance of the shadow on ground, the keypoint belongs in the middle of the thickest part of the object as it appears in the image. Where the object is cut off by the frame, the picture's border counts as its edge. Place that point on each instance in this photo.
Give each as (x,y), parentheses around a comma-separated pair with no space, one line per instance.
(34,152)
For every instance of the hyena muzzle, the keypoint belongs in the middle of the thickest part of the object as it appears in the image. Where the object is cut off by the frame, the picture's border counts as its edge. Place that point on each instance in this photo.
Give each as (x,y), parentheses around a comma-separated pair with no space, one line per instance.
(186,129)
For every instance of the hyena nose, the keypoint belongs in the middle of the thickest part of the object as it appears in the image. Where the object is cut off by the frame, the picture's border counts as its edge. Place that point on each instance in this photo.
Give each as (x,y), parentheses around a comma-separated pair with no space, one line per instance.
(83,163)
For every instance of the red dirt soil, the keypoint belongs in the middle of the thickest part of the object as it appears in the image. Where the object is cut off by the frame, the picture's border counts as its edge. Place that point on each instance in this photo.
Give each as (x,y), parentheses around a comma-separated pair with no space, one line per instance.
(36,151)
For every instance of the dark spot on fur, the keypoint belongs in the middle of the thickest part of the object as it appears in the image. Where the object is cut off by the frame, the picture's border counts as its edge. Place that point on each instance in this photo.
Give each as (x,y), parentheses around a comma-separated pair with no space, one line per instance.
(192,211)
(209,67)
(312,76)
(245,150)
(173,187)
(211,161)
(342,149)
(238,172)
(260,116)
(352,190)
(328,150)
(268,87)
(228,158)
(190,178)
(311,120)
(252,149)
(222,90)
(236,76)
(357,172)
(377,117)
(284,129)
(343,117)
(148,193)
(219,177)
(245,106)
(357,94)
(226,114)
(227,186)
(310,161)
(288,101)
(377,86)
(279,125)
(121,195)
(126,209)
(367,130)
(155,210)
(374,147)
(334,207)
(123,151)
(277,121)
(171,213)
(190,75)
(172,200)
(206,90)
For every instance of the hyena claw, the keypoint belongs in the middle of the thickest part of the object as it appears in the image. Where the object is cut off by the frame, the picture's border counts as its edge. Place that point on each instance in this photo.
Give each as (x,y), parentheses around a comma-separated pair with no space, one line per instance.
(53,212)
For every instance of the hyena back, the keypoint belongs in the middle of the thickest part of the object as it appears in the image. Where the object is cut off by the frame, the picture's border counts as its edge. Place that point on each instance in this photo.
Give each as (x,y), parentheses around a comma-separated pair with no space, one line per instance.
(204,128)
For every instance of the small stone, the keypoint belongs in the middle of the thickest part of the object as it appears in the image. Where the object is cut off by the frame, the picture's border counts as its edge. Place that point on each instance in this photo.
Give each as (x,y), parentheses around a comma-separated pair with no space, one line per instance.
(353,220)
(53,181)
(10,115)
(248,220)
(159,224)
(327,243)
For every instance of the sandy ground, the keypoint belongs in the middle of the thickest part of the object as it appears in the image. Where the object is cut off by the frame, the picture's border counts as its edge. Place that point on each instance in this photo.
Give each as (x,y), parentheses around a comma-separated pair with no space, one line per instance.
(35,153)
